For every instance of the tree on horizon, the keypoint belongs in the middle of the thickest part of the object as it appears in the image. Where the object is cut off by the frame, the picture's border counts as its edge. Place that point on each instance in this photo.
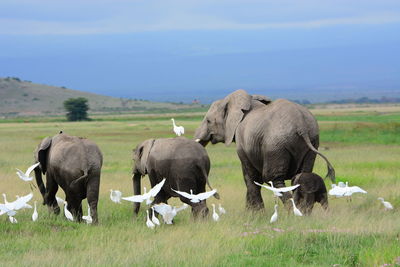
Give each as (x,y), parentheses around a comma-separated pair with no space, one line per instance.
(76,109)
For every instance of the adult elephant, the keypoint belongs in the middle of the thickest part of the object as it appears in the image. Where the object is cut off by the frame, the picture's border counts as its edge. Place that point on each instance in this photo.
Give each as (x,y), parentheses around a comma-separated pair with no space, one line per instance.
(74,164)
(274,139)
(183,162)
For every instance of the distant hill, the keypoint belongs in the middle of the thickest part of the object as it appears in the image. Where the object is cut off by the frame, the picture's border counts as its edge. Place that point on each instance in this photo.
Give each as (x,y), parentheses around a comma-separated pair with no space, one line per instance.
(24,98)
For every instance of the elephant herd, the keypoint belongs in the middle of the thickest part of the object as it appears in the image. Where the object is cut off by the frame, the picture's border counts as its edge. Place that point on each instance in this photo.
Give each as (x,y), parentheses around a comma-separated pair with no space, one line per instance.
(275,141)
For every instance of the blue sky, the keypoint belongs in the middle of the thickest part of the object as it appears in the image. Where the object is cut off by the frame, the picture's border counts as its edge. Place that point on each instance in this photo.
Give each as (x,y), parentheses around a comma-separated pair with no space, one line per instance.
(180,50)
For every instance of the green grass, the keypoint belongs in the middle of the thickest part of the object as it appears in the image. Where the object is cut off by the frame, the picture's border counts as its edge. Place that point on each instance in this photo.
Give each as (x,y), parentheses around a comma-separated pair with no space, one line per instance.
(359,233)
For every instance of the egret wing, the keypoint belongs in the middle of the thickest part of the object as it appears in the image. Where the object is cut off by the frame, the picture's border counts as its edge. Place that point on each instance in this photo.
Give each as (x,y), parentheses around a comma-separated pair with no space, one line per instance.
(154,191)
(31,168)
(206,195)
(273,189)
(182,130)
(286,189)
(20,173)
(21,202)
(184,194)
(356,189)
(162,208)
(135,198)
(184,206)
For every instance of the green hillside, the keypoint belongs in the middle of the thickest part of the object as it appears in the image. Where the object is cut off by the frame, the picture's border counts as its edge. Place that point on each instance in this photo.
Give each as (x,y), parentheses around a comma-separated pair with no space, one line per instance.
(24,98)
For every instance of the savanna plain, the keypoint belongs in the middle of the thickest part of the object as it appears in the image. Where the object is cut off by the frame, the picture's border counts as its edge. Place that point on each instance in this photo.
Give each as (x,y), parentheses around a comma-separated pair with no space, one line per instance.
(361,143)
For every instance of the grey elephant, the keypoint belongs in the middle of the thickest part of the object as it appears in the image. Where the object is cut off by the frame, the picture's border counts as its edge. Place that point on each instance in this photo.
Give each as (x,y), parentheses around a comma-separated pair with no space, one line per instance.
(183,162)
(312,189)
(74,164)
(274,139)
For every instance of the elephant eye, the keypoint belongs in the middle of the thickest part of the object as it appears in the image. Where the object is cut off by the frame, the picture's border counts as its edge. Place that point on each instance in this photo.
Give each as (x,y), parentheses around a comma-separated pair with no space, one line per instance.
(208,121)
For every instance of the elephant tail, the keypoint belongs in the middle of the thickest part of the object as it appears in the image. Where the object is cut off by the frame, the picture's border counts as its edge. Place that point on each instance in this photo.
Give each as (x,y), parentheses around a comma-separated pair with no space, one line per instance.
(216,195)
(331,170)
(80,179)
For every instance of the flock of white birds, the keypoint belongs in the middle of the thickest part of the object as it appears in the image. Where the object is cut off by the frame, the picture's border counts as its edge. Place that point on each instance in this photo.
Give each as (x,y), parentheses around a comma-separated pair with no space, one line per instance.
(166,211)
(11,208)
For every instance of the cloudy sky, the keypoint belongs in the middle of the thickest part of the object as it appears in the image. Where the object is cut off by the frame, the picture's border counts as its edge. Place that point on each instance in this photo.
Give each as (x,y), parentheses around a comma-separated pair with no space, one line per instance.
(180,50)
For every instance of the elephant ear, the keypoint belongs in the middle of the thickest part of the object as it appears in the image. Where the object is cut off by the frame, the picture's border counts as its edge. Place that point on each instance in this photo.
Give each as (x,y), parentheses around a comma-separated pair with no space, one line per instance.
(263,99)
(43,153)
(143,151)
(235,105)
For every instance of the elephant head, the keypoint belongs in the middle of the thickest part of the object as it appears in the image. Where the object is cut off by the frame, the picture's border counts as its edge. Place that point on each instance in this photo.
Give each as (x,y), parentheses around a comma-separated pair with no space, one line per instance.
(140,157)
(224,116)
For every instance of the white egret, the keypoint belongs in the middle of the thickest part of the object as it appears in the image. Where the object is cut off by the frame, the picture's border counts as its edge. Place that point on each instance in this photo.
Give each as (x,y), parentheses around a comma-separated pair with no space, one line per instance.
(149,223)
(215,215)
(344,190)
(278,190)
(115,196)
(274,216)
(154,219)
(35,213)
(25,176)
(221,209)
(168,212)
(337,190)
(11,208)
(88,218)
(196,198)
(19,203)
(296,211)
(146,196)
(60,201)
(178,130)
(67,213)
(386,204)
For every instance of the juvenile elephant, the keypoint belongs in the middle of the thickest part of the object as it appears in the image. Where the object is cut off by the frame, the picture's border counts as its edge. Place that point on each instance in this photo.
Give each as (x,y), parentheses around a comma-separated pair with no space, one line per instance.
(183,162)
(312,189)
(274,139)
(74,164)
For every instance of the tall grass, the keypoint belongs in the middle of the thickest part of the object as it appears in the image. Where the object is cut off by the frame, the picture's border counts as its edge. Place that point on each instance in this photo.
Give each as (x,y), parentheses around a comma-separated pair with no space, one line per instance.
(357,233)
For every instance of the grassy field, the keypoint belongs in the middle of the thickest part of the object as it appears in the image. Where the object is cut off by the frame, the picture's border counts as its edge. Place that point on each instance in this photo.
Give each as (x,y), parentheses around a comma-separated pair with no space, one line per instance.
(362,145)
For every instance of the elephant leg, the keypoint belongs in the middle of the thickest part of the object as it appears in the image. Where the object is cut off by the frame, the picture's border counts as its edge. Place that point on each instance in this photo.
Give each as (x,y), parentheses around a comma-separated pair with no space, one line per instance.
(50,196)
(297,197)
(254,199)
(74,206)
(276,169)
(309,159)
(92,194)
(309,203)
(324,201)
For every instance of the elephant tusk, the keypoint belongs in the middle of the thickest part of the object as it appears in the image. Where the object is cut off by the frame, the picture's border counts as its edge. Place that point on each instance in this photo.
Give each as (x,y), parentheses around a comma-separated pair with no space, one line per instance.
(197,140)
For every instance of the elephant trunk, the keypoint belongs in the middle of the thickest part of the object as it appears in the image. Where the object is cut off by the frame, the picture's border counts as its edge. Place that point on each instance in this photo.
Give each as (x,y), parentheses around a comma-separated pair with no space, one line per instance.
(201,135)
(136,190)
(39,182)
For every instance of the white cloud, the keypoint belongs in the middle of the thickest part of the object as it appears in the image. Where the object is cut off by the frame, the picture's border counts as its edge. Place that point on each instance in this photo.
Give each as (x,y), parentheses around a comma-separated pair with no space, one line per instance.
(122,16)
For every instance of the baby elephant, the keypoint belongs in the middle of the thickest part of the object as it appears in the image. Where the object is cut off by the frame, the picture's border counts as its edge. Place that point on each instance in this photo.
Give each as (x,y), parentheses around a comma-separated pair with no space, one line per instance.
(312,189)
